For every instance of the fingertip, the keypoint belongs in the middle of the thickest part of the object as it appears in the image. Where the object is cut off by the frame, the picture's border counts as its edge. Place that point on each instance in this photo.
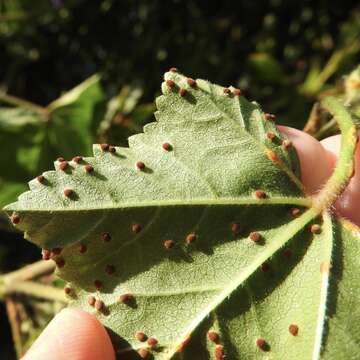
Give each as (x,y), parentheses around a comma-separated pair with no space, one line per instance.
(348,203)
(314,162)
(72,334)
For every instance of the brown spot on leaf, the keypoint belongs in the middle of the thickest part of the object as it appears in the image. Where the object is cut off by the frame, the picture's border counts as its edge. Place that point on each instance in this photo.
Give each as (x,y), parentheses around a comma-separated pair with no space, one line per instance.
(182,92)
(68,193)
(152,342)
(269,117)
(315,228)
(143,353)
(190,238)
(219,352)
(136,228)
(255,236)
(166,146)
(15,219)
(270,135)
(77,159)
(260,194)
(170,84)
(67,290)
(293,329)
(213,336)
(286,144)
(99,305)
(40,179)
(140,336)
(82,249)
(91,300)
(271,155)
(98,284)
(235,228)
(140,165)
(262,344)
(46,254)
(295,212)
(227,91)
(63,165)
(125,298)
(191,82)
(106,237)
(60,263)
(109,269)
(168,244)
(89,169)
(104,147)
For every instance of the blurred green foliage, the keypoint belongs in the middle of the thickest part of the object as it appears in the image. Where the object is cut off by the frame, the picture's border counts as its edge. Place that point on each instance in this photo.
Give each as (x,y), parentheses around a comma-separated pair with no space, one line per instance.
(284,54)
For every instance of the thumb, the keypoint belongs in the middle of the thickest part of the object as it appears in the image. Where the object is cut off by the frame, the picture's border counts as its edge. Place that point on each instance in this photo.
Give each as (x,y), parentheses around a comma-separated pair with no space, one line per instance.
(72,334)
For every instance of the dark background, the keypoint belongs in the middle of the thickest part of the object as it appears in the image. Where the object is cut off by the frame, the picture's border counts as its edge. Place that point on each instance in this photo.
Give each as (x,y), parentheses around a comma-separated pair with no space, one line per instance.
(284,54)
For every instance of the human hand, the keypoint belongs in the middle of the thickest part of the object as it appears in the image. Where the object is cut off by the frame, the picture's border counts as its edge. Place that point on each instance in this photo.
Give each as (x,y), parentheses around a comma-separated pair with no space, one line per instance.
(76,335)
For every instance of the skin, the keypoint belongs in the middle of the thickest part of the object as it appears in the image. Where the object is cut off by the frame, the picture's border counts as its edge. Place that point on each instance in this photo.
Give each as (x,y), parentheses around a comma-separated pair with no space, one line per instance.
(77,335)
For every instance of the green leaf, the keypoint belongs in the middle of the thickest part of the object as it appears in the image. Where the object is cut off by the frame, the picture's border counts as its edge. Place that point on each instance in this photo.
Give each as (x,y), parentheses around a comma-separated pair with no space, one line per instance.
(201,225)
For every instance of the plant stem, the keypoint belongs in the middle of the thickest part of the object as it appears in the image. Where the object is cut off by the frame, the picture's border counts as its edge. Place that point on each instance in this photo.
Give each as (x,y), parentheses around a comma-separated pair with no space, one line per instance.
(15,101)
(14,324)
(18,282)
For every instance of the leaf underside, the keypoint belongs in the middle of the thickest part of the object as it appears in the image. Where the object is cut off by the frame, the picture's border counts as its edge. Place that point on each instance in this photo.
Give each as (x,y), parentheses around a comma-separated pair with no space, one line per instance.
(201,225)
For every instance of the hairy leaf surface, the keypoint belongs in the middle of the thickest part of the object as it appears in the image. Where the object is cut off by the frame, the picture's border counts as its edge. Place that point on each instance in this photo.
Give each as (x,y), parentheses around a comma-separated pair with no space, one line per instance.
(200,235)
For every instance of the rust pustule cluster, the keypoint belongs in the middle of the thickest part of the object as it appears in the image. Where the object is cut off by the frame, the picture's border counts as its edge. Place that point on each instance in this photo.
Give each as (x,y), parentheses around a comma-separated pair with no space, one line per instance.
(190,238)
(269,117)
(46,254)
(182,92)
(15,219)
(82,248)
(286,144)
(60,263)
(219,352)
(170,84)
(136,228)
(254,236)
(98,284)
(140,165)
(99,305)
(68,193)
(166,146)
(270,135)
(168,244)
(63,165)
(191,82)
(91,300)
(110,269)
(105,236)
(293,329)
(89,169)
(77,159)
(295,212)
(140,336)
(235,228)
(315,229)
(40,179)
(126,298)
(213,336)
(260,194)
(143,353)
(152,342)
(104,147)
(67,290)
